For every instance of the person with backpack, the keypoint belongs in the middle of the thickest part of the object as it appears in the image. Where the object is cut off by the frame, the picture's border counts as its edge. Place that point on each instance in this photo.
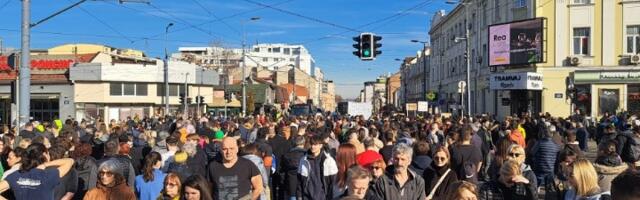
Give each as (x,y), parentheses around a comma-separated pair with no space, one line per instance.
(466,159)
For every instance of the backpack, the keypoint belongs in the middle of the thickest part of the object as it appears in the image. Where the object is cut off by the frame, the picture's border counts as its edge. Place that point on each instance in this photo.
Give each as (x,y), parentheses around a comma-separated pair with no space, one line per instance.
(631,148)
(468,170)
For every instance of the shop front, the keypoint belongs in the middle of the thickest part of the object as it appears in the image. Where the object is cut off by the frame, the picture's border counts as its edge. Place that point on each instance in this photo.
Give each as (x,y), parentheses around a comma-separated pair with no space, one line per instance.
(607,91)
(517,92)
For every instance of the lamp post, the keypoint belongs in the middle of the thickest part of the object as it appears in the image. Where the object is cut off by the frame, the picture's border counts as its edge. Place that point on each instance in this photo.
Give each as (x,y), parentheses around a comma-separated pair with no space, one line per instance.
(424,67)
(186,94)
(244,66)
(466,38)
(166,70)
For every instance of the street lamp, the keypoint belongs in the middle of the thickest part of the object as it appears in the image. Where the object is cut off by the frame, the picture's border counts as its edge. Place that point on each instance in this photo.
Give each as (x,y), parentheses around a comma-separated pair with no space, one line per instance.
(424,66)
(244,66)
(466,38)
(166,71)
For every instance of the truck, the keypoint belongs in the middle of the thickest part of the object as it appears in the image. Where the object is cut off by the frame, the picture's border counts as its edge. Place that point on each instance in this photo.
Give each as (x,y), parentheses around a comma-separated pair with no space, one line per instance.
(355,108)
(305,109)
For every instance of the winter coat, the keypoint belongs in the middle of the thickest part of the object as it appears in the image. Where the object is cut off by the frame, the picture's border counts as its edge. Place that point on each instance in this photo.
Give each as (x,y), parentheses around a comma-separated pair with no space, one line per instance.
(420,163)
(87,170)
(495,190)
(328,170)
(289,166)
(118,192)
(431,176)
(387,188)
(182,169)
(543,155)
(124,165)
(517,137)
(607,174)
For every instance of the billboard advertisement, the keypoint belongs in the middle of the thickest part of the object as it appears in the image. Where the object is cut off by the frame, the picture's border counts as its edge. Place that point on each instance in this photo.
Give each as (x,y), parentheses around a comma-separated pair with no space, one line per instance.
(516,43)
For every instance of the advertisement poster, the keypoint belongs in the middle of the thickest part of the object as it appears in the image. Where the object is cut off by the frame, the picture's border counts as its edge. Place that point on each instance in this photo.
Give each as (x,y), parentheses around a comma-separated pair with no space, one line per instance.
(609,100)
(516,43)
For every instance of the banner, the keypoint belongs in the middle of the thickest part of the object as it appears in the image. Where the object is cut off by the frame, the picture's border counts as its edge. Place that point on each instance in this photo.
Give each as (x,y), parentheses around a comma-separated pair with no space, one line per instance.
(516,43)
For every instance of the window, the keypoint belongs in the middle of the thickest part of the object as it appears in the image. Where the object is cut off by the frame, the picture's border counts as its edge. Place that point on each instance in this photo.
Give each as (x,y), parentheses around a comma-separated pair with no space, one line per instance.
(581,1)
(256,49)
(292,59)
(265,59)
(276,50)
(520,4)
(129,89)
(269,50)
(286,51)
(115,89)
(141,89)
(173,90)
(496,10)
(633,39)
(296,51)
(581,41)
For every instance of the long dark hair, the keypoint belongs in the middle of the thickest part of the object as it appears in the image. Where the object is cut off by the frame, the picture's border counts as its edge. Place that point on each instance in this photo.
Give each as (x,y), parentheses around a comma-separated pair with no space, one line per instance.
(149,162)
(199,183)
(33,157)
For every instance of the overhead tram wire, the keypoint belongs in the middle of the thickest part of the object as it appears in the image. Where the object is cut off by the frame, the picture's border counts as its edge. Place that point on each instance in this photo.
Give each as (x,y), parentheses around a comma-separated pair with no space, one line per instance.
(5,4)
(304,17)
(216,17)
(211,21)
(105,23)
(189,24)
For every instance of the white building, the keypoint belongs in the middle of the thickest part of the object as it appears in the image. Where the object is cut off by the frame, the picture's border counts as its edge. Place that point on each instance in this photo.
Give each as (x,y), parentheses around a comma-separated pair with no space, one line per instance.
(278,55)
(210,57)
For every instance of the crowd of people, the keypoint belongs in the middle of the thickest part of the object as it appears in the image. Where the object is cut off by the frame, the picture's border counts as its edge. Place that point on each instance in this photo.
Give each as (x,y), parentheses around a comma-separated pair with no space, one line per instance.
(323,156)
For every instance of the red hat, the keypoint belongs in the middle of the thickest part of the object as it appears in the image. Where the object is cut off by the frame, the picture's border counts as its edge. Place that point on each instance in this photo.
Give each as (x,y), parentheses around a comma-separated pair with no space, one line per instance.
(368,157)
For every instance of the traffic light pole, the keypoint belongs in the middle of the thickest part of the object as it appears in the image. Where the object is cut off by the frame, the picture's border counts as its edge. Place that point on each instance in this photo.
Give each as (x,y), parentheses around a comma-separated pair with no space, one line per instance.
(186,94)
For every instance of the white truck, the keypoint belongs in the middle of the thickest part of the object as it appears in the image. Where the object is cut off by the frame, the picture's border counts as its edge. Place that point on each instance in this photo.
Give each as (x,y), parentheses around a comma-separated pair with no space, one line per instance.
(356,108)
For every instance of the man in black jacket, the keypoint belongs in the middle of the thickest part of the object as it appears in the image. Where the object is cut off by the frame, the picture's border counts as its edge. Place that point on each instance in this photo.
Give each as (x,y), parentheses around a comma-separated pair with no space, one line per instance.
(399,182)
(289,167)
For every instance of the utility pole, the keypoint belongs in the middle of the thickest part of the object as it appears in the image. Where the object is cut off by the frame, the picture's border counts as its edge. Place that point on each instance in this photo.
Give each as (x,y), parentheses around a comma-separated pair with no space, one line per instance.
(25,65)
(244,67)
(468,52)
(198,97)
(186,93)
(166,71)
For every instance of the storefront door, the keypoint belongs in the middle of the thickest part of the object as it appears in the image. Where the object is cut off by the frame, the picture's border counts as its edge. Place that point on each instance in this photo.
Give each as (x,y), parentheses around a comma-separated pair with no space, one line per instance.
(526,101)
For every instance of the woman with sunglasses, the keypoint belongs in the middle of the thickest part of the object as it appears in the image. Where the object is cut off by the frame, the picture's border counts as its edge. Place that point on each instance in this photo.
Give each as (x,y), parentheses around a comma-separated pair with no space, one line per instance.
(516,153)
(439,176)
(171,189)
(111,184)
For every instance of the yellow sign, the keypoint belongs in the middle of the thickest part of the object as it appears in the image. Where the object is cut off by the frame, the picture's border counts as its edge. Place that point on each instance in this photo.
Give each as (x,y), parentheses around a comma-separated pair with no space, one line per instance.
(411,106)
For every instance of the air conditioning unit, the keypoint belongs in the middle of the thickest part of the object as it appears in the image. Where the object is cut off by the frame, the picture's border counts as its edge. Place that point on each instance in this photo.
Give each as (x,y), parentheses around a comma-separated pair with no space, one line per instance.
(574,60)
(635,59)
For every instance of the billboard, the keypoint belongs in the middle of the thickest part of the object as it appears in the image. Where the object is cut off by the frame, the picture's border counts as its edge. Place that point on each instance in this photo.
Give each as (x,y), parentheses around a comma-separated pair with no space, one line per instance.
(516,43)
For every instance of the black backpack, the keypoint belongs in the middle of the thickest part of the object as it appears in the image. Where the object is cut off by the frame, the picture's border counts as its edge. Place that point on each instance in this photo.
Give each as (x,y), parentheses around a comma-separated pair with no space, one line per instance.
(631,148)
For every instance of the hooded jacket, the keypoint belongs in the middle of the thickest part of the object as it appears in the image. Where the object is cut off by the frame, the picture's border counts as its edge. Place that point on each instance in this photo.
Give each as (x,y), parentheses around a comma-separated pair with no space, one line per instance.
(607,174)
(328,170)
(420,163)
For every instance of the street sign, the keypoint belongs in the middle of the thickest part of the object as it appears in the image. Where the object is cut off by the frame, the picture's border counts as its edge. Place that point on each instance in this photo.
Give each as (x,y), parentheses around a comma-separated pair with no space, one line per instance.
(431,96)
(411,106)
(462,84)
(423,106)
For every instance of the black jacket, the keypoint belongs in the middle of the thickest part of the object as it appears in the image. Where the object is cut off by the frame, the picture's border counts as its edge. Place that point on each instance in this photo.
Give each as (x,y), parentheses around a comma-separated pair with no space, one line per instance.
(420,163)
(386,187)
(289,166)
(431,176)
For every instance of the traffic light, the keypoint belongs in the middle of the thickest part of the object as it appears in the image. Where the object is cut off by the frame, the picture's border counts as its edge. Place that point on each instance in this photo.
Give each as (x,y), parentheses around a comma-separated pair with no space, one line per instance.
(200,100)
(189,100)
(376,45)
(227,96)
(181,98)
(367,46)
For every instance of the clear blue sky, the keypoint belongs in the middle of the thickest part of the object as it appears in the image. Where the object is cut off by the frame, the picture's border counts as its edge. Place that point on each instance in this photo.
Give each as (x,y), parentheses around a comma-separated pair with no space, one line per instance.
(324,27)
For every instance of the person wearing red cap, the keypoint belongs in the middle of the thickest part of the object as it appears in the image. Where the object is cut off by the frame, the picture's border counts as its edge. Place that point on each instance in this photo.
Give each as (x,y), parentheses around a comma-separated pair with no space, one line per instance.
(372,161)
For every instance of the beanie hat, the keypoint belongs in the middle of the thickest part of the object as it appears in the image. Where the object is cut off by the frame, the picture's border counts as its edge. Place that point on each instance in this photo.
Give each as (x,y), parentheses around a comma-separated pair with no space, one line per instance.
(180,157)
(367,158)
(219,135)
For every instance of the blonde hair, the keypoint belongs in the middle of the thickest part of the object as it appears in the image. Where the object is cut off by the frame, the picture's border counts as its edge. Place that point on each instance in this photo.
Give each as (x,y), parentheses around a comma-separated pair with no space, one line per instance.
(586,177)
(461,186)
(517,148)
(510,168)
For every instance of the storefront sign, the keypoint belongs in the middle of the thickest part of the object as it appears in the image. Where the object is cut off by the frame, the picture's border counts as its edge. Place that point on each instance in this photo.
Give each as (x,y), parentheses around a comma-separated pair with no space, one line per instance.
(423,106)
(606,77)
(516,81)
(411,106)
(558,95)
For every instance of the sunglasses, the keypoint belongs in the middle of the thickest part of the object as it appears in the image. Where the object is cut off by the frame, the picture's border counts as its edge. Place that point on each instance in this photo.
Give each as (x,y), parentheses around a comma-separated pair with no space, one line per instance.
(375,168)
(439,158)
(515,154)
(108,174)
